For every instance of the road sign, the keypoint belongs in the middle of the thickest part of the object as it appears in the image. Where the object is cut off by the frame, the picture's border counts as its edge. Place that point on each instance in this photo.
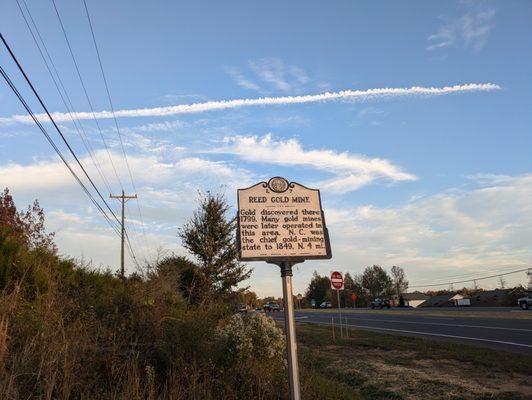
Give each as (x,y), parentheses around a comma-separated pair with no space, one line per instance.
(282,223)
(337,281)
(354,297)
(278,220)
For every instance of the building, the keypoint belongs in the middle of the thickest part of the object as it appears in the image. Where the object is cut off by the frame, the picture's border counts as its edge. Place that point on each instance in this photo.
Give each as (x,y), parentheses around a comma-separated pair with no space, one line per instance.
(414,299)
(492,298)
(452,299)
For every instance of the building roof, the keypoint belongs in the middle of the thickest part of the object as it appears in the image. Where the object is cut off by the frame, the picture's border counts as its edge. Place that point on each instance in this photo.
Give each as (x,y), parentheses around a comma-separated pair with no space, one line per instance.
(415,296)
(441,299)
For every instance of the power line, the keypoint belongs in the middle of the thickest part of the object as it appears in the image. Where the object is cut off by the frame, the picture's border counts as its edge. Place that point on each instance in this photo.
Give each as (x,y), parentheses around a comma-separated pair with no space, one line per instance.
(474,274)
(471,280)
(108,92)
(130,249)
(136,233)
(71,51)
(56,126)
(85,91)
(58,151)
(113,113)
(70,108)
(52,143)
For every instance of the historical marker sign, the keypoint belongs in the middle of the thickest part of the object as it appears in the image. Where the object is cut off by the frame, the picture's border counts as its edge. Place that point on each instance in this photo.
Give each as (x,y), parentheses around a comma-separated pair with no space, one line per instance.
(281,221)
(337,281)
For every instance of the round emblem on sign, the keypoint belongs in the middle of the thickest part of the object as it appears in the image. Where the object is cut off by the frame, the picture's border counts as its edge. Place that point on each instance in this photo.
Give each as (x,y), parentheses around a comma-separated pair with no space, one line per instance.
(278,184)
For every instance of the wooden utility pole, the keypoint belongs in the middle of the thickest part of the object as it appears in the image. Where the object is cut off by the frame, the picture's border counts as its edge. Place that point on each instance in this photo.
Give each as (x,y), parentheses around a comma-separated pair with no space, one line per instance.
(123,199)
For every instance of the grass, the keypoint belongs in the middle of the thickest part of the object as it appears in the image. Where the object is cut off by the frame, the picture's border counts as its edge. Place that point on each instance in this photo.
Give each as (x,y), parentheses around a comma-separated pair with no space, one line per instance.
(378,366)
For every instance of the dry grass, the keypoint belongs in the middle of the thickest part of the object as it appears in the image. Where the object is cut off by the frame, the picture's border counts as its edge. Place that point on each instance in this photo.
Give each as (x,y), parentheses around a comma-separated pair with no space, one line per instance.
(381,367)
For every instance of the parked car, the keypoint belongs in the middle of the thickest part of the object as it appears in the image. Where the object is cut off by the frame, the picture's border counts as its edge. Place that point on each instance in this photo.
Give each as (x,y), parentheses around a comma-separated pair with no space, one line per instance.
(271,307)
(243,308)
(326,304)
(525,302)
(380,303)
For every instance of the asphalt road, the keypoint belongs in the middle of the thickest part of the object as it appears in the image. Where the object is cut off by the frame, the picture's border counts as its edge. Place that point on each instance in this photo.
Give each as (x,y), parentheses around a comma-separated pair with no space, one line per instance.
(500,333)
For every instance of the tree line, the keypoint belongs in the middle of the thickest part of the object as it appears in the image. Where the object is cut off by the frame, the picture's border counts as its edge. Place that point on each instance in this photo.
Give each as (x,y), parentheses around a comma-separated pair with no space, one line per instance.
(374,282)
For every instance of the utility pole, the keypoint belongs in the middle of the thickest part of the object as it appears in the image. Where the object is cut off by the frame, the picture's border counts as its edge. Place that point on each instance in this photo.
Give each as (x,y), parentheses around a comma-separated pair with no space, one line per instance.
(123,199)
(529,273)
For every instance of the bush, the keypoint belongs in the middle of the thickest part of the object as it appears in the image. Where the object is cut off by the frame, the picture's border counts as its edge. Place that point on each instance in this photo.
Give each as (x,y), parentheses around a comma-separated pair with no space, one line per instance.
(255,336)
(68,332)
(252,348)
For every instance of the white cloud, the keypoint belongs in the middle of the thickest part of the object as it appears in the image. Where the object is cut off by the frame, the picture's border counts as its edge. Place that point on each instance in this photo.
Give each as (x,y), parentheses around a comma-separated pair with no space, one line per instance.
(285,78)
(475,230)
(52,175)
(352,95)
(351,171)
(195,165)
(271,75)
(40,175)
(241,80)
(167,191)
(164,126)
(66,217)
(471,29)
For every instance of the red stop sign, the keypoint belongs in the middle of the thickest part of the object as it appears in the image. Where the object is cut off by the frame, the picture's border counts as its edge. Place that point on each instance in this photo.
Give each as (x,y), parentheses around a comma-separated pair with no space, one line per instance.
(354,297)
(337,281)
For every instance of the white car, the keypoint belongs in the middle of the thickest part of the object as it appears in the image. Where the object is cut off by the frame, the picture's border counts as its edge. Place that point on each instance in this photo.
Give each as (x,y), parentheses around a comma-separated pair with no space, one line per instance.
(525,302)
(271,307)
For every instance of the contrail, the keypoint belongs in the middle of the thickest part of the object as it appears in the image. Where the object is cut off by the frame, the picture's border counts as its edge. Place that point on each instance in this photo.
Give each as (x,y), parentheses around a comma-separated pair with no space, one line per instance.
(353,95)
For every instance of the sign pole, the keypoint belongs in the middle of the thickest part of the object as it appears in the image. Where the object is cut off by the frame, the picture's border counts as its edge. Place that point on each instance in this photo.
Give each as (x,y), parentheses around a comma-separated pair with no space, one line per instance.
(340,313)
(290,329)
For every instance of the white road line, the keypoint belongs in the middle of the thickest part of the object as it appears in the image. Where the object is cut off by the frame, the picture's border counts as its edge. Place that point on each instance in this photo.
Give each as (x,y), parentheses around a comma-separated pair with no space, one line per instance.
(440,324)
(432,334)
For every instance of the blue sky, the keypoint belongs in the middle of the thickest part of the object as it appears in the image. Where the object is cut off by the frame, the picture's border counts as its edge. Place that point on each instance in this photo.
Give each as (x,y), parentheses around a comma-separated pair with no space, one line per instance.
(436,181)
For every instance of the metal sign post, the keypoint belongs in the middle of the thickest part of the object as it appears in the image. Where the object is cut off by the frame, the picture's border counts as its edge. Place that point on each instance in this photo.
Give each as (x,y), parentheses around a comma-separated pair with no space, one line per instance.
(337,283)
(340,313)
(290,330)
(282,223)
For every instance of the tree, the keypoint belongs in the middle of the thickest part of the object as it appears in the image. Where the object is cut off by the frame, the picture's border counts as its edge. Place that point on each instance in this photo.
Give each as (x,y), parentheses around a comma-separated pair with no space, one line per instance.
(349,286)
(27,225)
(401,301)
(400,283)
(376,281)
(210,236)
(362,295)
(319,289)
(248,297)
(502,282)
(181,275)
